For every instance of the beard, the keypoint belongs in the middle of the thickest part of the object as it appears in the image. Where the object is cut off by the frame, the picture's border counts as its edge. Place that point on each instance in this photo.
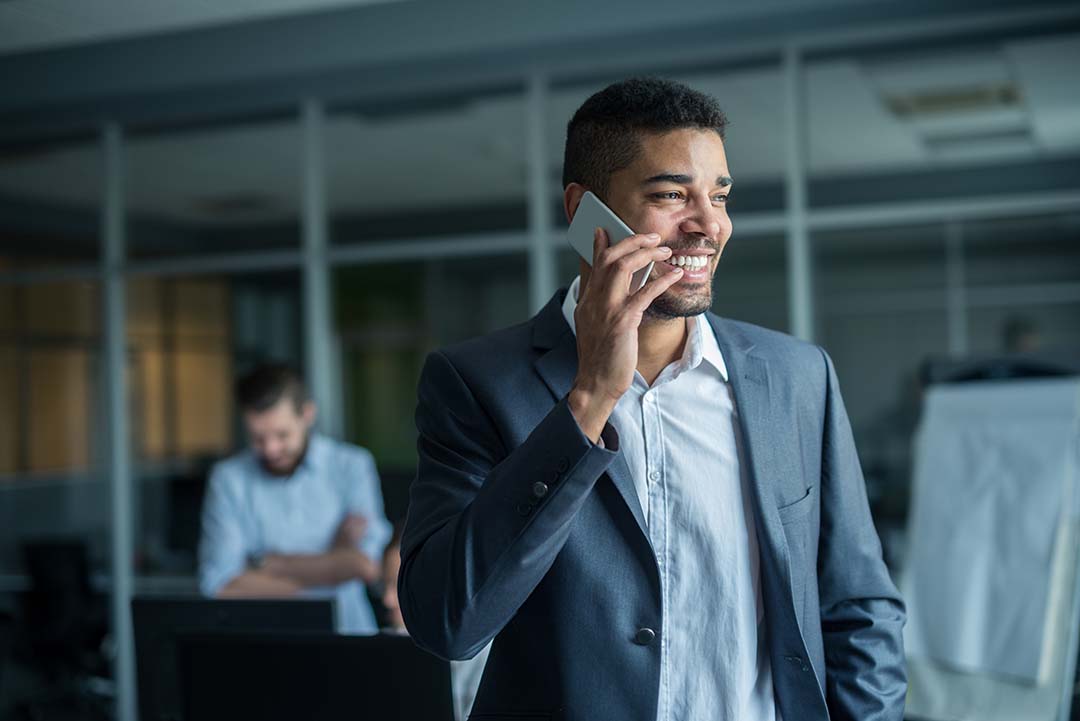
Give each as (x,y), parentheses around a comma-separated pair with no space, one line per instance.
(289,468)
(668,307)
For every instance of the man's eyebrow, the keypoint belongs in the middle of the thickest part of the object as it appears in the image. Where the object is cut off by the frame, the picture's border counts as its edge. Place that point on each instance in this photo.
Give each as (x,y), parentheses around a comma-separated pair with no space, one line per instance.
(681,179)
(677,178)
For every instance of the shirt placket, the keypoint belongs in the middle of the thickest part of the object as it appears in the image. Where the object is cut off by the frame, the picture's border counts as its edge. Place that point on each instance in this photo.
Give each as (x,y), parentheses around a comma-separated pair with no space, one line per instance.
(658,527)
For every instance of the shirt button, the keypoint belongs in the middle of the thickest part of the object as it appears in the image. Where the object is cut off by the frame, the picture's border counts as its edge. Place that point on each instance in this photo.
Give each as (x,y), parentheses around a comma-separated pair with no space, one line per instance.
(644,636)
(654,476)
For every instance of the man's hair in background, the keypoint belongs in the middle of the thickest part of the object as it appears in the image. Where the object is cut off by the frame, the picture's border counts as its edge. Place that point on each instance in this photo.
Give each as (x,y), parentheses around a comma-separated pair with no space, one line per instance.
(265,385)
(603,137)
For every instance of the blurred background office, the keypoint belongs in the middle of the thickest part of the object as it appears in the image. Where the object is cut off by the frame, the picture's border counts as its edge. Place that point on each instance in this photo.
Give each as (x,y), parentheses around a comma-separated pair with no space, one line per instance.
(189,189)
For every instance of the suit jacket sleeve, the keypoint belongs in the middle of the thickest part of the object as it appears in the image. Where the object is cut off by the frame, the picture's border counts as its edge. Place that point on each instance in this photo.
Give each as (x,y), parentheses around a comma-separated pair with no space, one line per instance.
(480,532)
(862,614)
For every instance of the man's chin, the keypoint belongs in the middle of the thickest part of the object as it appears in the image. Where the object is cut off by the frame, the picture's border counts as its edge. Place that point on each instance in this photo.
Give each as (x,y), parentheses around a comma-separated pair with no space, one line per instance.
(283,468)
(670,306)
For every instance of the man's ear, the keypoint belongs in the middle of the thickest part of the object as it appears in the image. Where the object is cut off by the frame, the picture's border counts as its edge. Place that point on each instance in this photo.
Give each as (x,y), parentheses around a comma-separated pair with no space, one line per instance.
(572,195)
(309,413)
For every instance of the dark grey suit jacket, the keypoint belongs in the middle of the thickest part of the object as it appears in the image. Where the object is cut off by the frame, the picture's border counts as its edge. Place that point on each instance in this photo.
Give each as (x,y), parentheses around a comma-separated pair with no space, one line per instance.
(521,530)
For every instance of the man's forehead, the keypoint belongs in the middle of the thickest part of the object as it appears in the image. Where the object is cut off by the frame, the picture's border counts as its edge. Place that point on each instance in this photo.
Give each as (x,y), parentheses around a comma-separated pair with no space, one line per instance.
(284,411)
(687,152)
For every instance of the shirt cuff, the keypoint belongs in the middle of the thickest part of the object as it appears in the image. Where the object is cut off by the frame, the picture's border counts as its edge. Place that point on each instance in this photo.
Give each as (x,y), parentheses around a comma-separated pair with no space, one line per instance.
(609,438)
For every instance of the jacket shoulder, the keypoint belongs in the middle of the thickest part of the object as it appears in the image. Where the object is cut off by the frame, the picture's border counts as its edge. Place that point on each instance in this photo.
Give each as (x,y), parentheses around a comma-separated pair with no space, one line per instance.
(496,354)
(768,341)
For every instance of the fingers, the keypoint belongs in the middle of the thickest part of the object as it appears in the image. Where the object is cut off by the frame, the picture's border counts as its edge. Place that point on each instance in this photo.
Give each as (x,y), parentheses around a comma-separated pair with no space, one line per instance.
(624,247)
(613,265)
(599,244)
(654,288)
(620,274)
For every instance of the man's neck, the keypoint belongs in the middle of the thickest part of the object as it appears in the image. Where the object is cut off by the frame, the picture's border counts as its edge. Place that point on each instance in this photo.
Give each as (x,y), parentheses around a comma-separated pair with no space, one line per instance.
(660,343)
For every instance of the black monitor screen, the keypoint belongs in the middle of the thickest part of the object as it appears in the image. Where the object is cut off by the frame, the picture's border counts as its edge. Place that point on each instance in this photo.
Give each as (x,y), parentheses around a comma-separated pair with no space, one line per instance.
(157,621)
(316,678)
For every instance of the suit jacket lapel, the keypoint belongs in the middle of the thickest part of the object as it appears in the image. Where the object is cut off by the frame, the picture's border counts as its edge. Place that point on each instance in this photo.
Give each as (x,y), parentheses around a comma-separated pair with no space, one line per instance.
(557,367)
(749,378)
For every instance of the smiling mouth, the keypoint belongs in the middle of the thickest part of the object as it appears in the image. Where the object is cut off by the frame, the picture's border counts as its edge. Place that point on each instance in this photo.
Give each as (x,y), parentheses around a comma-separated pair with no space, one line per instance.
(689,261)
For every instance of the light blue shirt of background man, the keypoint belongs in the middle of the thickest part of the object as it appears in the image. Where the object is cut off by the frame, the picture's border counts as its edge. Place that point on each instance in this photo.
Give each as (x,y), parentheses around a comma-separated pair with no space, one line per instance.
(297,514)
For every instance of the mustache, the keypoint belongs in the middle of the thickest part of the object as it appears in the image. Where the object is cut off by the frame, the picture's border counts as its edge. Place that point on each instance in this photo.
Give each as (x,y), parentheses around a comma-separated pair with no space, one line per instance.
(694,244)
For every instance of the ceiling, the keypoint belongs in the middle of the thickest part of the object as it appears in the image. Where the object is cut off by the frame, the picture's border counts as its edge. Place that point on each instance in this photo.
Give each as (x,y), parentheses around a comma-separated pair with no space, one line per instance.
(46,24)
(1010,100)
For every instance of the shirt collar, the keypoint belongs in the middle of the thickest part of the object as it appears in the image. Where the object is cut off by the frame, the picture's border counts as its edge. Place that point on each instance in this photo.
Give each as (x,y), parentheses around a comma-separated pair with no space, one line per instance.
(701,345)
(313,455)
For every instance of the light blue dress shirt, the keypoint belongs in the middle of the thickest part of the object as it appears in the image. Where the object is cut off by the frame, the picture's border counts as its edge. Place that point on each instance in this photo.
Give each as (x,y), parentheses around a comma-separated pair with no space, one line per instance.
(248,511)
(681,439)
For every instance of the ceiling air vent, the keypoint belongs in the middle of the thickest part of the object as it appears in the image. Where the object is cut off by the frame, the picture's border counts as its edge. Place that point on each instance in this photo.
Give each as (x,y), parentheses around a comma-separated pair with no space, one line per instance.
(971,99)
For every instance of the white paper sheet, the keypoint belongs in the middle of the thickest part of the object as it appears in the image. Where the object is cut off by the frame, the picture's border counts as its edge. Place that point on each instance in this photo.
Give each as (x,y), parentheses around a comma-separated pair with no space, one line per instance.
(995,477)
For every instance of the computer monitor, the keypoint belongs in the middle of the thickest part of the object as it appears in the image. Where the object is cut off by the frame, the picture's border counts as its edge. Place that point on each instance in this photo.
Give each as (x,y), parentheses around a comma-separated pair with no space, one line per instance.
(228,676)
(157,621)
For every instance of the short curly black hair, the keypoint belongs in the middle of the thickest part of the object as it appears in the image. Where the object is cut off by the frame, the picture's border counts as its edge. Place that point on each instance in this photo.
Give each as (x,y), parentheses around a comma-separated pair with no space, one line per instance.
(603,137)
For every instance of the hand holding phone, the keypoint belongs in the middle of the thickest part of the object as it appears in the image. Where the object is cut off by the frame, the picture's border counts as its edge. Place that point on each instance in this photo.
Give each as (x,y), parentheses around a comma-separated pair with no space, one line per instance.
(609,311)
(592,214)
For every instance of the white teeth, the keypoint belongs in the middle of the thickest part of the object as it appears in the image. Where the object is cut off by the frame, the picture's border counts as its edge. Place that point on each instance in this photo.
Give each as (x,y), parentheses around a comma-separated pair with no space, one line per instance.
(690,261)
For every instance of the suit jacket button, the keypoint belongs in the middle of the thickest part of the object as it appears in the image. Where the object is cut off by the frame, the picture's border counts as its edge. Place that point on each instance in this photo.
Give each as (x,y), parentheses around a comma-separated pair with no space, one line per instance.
(540,489)
(644,636)
(524,509)
(563,465)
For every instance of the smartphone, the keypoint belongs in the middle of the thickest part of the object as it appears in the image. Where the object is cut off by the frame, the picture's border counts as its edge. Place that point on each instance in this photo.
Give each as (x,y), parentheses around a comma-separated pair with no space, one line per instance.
(592,214)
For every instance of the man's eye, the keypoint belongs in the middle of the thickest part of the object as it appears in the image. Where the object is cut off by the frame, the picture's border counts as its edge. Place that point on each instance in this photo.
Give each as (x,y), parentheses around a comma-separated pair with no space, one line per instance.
(722,198)
(668,195)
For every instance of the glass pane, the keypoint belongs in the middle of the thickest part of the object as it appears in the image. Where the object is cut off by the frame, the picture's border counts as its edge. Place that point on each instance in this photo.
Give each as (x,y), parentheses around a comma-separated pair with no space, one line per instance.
(9,410)
(870,262)
(51,439)
(1035,327)
(1024,275)
(187,344)
(69,309)
(881,315)
(7,308)
(1022,251)
(60,396)
(227,189)
(751,281)
(878,355)
(204,419)
(53,346)
(389,316)
(50,197)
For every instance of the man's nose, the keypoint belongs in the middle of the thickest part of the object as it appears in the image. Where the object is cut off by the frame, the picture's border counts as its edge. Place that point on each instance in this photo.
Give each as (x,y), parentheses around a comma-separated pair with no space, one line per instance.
(704,220)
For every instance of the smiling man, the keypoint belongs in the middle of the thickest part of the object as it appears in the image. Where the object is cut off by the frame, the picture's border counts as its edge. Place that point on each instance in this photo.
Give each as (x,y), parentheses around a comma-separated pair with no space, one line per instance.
(656,513)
